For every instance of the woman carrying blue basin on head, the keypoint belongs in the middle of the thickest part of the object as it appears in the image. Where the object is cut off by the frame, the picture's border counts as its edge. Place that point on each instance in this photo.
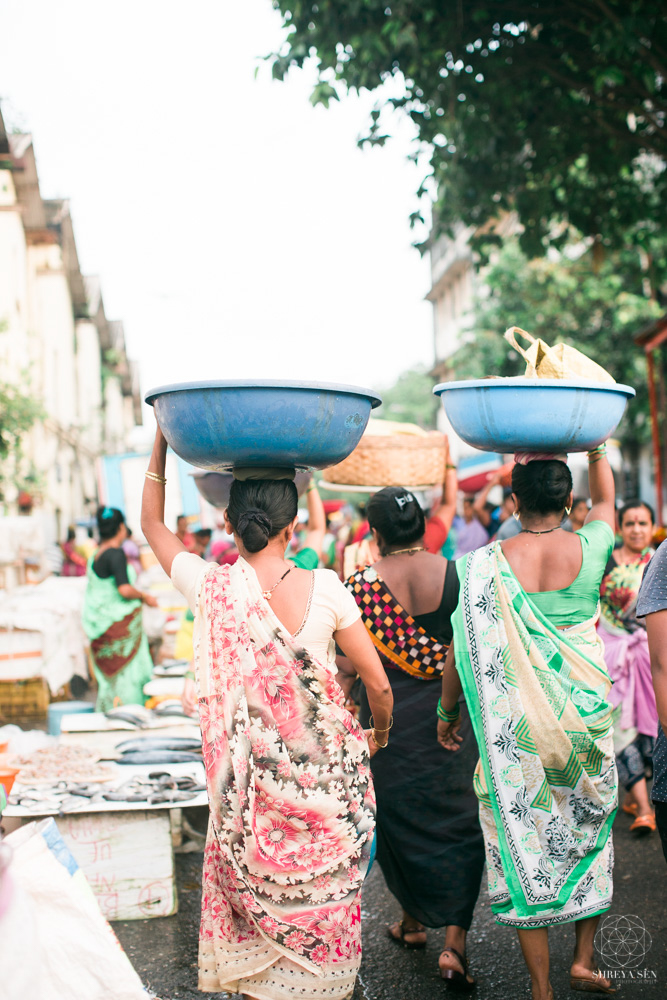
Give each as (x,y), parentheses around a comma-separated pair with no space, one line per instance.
(289,782)
(531,667)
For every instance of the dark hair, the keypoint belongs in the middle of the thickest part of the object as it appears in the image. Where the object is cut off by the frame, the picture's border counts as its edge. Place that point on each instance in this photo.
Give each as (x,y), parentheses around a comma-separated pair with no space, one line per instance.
(71,534)
(577,500)
(203,533)
(109,521)
(259,509)
(542,487)
(181,517)
(396,516)
(631,505)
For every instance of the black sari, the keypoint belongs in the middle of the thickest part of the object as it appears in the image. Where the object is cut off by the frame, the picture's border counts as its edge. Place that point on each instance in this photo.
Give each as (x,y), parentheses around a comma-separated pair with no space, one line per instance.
(429,841)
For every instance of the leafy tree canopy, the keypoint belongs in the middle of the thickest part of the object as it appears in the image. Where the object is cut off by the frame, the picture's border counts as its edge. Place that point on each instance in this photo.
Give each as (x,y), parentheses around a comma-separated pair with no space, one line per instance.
(596,309)
(554,110)
(410,399)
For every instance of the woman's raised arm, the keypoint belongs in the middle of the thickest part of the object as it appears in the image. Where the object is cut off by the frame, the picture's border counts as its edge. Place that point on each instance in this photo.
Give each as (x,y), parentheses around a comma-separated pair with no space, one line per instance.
(163,542)
(601,487)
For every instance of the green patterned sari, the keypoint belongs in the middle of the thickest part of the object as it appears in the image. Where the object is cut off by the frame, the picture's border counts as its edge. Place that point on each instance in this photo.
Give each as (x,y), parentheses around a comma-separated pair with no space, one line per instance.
(546,780)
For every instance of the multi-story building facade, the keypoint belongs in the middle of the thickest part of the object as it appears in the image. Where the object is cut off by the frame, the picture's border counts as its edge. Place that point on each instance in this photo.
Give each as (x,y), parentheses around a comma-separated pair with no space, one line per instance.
(58,346)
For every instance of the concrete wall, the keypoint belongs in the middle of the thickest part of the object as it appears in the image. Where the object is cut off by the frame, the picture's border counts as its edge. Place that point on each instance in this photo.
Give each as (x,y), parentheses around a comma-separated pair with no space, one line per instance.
(48,335)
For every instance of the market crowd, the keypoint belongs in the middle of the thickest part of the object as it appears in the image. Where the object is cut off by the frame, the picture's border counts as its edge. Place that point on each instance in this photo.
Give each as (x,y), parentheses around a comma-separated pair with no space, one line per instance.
(439,689)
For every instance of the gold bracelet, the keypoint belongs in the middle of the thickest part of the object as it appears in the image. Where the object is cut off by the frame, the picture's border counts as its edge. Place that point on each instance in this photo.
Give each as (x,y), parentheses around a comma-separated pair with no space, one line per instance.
(448,467)
(380,746)
(156,478)
(375,728)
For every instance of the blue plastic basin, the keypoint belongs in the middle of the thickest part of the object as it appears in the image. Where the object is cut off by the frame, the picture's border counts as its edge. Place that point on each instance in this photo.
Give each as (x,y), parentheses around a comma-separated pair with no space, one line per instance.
(218,425)
(215,486)
(523,414)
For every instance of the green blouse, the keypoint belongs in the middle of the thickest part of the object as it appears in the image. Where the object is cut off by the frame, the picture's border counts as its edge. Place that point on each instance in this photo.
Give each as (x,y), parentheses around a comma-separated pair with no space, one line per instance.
(576,603)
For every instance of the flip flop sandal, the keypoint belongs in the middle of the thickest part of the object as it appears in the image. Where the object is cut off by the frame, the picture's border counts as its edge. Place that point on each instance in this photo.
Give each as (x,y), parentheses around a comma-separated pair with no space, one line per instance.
(410,945)
(590,986)
(644,825)
(457,981)
(630,810)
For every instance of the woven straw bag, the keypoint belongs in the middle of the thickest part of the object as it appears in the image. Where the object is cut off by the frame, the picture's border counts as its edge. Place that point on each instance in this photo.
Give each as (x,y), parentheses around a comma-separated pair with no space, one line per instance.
(396,460)
(560,361)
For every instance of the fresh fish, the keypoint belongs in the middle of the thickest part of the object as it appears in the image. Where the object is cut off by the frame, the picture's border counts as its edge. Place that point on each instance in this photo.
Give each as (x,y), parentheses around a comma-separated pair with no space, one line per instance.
(167,709)
(82,790)
(150,743)
(136,715)
(127,796)
(160,757)
(170,795)
(133,720)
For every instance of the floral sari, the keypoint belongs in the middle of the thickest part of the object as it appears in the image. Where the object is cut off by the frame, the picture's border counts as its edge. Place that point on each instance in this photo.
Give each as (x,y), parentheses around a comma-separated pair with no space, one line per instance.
(546,780)
(626,652)
(291,799)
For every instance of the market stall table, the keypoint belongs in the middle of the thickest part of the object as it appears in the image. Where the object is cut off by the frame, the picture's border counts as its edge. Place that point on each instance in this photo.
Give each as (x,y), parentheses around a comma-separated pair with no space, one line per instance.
(125,849)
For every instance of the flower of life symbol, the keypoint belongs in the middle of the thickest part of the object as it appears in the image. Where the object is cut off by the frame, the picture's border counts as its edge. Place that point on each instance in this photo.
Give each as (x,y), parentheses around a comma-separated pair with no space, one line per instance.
(622,941)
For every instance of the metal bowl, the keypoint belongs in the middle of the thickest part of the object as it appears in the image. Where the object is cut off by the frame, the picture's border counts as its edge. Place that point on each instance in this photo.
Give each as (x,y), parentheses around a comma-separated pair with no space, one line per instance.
(215,486)
(221,425)
(523,414)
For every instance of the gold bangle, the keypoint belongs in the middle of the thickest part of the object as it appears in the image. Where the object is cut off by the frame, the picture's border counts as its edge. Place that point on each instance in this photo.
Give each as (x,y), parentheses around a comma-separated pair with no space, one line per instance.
(375,728)
(448,467)
(380,746)
(156,478)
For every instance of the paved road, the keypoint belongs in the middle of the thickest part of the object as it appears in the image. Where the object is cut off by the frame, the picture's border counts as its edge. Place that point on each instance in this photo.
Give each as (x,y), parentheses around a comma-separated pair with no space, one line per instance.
(164,951)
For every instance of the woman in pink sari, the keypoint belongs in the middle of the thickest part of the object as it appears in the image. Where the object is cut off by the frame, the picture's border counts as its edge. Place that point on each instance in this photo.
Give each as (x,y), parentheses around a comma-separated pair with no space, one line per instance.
(628,662)
(290,790)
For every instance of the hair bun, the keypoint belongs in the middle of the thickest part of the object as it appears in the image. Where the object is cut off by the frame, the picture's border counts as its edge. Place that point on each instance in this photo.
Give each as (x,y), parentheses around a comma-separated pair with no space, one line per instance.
(254,527)
(253,515)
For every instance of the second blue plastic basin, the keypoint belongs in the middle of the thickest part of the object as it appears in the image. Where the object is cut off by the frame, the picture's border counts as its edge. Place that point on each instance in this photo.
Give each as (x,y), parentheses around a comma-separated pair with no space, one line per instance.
(522,414)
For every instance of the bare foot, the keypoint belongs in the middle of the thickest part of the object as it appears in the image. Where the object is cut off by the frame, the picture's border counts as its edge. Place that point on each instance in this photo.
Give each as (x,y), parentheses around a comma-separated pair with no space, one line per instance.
(580,971)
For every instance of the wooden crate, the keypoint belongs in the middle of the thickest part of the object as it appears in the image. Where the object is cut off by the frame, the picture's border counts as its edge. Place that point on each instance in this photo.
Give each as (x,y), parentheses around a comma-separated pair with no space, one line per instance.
(20,654)
(27,698)
(128,860)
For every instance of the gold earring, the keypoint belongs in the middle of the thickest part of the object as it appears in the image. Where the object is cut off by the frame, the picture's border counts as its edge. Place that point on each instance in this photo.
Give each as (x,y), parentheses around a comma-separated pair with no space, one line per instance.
(516,516)
(568,511)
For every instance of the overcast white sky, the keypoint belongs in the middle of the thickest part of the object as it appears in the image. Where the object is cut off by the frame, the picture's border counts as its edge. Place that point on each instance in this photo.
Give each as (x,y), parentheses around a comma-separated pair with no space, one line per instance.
(238,231)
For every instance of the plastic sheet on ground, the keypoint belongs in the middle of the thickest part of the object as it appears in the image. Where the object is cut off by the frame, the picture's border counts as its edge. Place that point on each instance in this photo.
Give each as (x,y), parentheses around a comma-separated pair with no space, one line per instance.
(54,941)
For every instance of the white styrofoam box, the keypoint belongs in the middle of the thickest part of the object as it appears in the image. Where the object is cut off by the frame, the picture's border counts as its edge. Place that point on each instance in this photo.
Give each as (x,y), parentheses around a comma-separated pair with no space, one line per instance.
(128,860)
(20,654)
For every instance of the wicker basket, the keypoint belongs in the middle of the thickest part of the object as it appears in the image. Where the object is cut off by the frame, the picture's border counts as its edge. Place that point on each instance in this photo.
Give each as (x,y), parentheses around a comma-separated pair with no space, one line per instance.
(24,699)
(398,460)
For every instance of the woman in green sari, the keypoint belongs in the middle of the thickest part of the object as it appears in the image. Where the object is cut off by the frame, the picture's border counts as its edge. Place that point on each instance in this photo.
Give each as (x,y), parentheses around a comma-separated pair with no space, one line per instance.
(112,618)
(530,665)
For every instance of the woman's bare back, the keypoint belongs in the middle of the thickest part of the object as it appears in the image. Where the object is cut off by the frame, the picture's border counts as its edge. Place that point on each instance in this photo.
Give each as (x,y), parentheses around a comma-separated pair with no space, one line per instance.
(289,601)
(416,581)
(544,562)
